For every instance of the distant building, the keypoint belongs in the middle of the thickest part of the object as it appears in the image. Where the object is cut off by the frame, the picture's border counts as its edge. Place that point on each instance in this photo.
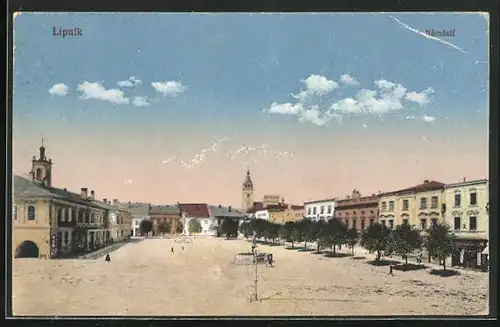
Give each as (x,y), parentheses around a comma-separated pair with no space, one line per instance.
(219,213)
(284,213)
(140,212)
(261,214)
(247,193)
(357,211)
(167,213)
(271,199)
(200,212)
(320,209)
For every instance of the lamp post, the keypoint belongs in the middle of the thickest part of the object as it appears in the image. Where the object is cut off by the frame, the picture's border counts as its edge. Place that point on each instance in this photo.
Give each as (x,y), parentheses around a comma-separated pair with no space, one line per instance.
(255,294)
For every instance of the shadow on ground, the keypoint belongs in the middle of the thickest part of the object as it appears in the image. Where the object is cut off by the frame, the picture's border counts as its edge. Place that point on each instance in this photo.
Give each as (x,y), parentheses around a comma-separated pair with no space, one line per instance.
(382,262)
(444,273)
(305,250)
(410,267)
(330,254)
(358,258)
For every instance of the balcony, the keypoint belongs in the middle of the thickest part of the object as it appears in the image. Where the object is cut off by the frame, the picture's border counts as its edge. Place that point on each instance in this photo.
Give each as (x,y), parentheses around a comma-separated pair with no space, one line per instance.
(66,223)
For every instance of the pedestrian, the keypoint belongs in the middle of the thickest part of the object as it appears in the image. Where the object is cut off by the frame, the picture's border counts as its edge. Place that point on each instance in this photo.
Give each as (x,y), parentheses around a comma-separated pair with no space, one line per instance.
(390,270)
(183,248)
(269,260)
(108,259)
(172,249)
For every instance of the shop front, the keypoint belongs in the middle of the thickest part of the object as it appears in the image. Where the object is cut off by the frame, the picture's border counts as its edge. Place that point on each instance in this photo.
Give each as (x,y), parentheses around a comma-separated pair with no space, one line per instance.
(469,253)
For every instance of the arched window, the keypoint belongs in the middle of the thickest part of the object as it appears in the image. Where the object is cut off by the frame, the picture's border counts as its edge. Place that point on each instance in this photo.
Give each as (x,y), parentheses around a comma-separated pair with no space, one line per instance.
(39,173)
(31,212)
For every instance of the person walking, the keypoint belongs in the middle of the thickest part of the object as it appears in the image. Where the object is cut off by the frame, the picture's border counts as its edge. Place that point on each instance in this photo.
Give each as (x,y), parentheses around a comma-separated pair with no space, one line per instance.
(390,270)
(172,249)
(108,258)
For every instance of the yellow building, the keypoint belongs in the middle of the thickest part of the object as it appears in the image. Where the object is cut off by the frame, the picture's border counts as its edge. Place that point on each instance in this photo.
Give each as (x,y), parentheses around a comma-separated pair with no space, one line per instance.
(467,215)
(420,205)
(49,222)
(284,213)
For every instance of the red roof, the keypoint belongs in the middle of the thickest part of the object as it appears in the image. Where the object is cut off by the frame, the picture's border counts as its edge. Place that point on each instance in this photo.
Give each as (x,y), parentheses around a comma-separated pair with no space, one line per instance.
(195,209)
(256,206)
(425,186)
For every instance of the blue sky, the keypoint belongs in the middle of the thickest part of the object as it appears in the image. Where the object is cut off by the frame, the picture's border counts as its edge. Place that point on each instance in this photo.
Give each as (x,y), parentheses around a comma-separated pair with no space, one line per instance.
(231,68)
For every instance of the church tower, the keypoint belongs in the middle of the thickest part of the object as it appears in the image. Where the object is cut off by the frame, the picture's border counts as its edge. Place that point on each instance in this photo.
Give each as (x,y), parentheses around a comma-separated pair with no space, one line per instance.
(247,193)
(41,168)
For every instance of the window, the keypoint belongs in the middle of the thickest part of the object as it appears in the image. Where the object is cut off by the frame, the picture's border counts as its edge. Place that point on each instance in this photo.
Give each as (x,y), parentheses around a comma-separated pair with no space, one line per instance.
(31,212)
(362,224)
(434,202)
(405,204)
(383,222)
(434,222)
(322,210)
(391,224)
(423,203)
(391,205)
(66,237)
(39,173)
(59,214)
(472,223)
(423,224)
(473,198)
(92,218)
(405,221)
(308,211)
(314,210)
(205,221)
(384,206)
(457,223)
(80,215)
(458,200)
(329,209)
(136,222)
(372,221)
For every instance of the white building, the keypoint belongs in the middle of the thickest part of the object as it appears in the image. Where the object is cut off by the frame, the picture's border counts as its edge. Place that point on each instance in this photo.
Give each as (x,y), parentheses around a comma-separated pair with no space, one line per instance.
(320,209)
(262,214)
(200,212)
(140,212)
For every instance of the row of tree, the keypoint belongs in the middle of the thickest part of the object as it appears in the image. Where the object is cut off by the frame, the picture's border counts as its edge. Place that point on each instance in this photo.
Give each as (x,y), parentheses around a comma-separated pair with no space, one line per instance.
(402,240)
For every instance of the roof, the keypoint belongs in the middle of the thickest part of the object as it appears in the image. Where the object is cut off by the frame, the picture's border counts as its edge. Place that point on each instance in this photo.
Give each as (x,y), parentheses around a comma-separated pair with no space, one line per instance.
(320,201)
(220,211)
(26,188)
(195,209)
(425,186)
(467,183)
(256,207)
(248,181)
(362,201)
(138,209)
(164,210)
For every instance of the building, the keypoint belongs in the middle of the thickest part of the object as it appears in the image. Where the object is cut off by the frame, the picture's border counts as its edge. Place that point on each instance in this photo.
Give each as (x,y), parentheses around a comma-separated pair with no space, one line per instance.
(119,221)
(261,214)
(247,193)
(271,199)
(320,209)
(219,213)
(50,222)
(357,211)
(140,212)
(467,215)
(167,213)
(200,212)
(284,213)
(420,205)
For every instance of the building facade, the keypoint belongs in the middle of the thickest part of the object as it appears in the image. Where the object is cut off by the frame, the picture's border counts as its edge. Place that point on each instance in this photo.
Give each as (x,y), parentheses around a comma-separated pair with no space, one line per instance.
(284,213)
(166,213)
(219,213)
(467,215)
(201,213)
(261,214)
(140,212)
(357,211)
(49,222)
(320,209)
(247,193)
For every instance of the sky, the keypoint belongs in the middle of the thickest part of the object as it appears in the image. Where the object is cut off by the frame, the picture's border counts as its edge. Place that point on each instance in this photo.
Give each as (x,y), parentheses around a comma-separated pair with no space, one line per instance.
(167,108)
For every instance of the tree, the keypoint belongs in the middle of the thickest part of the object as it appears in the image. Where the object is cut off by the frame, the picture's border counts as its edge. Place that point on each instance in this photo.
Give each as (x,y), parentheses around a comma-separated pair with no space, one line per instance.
(318,228)
(305,227)
(404,239)
(194,226)
(145,226)
(164,227)
(285,231)
(335,234)
(179,228)
(352,238)
(376,238)
(259,227)
(245,229)
(440,242)
(229,227)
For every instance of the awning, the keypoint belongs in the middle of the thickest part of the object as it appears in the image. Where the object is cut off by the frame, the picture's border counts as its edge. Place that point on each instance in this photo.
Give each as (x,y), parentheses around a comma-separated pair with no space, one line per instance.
(486,250)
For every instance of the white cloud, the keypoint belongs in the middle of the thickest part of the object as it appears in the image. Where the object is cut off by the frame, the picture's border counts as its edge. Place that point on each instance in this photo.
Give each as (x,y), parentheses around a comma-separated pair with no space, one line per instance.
(428,119)
(169,88)
(141,101)
(131,82)
(348,80)
(286,108)
(421,98)
(315,85)
(410,117)
(97,91)
(59,89)
(314,116)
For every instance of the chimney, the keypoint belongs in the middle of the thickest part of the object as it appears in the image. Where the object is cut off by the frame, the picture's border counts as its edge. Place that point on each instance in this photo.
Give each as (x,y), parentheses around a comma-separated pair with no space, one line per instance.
(92,195)
(109,201)
(465,179)
(229,208)
(115,202)
(220,206)
(129,203)
(65,190)
(83,193)
(426,181)
(105,201)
